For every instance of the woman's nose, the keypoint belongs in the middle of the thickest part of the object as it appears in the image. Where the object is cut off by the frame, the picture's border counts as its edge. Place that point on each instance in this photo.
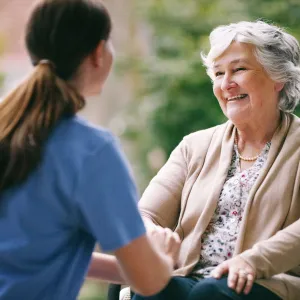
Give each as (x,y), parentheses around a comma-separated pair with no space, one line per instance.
(227,83)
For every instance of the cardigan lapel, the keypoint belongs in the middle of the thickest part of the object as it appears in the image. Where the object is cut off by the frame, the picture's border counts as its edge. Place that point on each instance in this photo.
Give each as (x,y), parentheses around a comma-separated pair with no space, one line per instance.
(276,145)
(226,142)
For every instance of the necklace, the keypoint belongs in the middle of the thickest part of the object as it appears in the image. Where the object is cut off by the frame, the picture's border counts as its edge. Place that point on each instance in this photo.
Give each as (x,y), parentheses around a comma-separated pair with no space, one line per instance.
(253,158)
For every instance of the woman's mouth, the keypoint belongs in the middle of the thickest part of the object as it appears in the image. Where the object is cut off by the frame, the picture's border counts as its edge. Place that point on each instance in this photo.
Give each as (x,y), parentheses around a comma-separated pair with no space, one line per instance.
(238,97)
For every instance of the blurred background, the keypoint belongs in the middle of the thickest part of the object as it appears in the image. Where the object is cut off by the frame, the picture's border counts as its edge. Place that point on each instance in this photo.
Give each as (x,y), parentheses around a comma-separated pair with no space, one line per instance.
(158,91)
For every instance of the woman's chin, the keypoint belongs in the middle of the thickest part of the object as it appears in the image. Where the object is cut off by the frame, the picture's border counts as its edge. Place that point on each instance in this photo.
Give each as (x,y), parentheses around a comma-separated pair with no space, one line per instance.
(237,117)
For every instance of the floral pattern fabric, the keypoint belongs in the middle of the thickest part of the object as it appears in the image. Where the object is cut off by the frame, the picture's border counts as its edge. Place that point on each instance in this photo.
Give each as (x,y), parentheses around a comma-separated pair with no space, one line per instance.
(219,239)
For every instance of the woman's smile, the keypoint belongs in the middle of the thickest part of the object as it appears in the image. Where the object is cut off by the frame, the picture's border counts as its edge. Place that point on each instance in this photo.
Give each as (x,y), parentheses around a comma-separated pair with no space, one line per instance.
(245,91)
(237,98)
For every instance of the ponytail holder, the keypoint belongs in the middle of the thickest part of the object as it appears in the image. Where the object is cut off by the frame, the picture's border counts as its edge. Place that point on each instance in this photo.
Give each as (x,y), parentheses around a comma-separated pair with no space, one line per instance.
(47,62)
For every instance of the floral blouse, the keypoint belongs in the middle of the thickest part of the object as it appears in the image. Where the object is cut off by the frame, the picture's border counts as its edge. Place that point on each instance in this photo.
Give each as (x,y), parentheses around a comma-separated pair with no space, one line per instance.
(218,241)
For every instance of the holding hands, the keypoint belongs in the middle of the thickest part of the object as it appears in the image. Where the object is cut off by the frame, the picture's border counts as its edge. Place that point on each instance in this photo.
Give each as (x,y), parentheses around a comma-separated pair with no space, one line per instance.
(165,240)
(241,275)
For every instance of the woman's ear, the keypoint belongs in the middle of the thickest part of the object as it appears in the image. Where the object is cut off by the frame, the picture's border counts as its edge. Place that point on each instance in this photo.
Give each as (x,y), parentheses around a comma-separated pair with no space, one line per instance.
(97,55)
(279,86)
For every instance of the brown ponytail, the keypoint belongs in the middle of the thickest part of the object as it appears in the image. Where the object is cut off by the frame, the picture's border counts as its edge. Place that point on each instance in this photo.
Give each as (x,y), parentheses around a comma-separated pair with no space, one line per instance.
(27,117)
(31,111)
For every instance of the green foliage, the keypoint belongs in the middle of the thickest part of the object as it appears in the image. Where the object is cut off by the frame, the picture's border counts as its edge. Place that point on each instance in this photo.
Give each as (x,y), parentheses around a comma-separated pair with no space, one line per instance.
(93,290)
(176,96)
(1,79)
(283,13)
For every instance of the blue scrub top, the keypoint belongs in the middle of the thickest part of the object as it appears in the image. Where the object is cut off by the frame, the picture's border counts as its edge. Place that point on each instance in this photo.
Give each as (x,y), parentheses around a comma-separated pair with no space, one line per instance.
(81,193)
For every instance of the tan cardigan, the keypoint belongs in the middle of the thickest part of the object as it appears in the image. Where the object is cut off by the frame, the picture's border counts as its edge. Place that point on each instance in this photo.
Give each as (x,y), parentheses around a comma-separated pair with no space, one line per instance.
(184,195)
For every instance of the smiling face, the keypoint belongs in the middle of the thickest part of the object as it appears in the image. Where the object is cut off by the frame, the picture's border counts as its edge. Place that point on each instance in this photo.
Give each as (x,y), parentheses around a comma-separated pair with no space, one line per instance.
(245,91)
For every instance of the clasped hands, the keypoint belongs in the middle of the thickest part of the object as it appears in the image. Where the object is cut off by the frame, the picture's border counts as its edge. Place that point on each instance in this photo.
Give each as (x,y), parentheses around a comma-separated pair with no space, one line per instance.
(165,240)
(241,275)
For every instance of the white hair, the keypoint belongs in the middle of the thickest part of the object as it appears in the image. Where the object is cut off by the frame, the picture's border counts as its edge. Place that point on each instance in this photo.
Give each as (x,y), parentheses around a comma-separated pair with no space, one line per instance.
(276,50)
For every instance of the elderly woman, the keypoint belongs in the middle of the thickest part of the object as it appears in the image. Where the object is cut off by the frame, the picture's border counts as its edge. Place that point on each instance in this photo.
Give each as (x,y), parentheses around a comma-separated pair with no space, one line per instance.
(232,192)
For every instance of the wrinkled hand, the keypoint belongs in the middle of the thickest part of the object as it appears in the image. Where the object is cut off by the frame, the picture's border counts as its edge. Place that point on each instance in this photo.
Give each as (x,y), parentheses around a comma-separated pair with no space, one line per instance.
(166,240)
(241,275)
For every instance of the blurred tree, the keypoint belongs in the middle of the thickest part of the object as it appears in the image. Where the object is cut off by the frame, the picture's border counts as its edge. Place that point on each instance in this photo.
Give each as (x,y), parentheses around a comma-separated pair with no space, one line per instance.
(284,13)
(176,97)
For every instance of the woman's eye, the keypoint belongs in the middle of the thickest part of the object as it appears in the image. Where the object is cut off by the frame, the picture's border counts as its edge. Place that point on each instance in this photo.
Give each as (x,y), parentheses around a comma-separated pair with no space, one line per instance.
(240,69)
(218,74)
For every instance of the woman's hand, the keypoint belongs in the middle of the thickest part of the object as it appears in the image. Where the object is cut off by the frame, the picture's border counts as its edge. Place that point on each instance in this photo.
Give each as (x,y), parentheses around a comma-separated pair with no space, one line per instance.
(241,275)
(166,240)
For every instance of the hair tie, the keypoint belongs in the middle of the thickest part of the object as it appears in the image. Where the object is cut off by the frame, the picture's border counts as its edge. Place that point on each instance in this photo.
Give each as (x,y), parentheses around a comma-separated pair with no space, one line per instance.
(46,62)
